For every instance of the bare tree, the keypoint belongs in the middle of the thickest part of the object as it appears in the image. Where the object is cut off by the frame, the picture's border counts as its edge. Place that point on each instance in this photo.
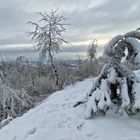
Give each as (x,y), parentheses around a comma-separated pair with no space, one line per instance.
(47,36)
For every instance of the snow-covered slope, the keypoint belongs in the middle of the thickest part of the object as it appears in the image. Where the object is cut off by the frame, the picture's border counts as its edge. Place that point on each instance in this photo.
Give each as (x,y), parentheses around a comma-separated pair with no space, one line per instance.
(56,119)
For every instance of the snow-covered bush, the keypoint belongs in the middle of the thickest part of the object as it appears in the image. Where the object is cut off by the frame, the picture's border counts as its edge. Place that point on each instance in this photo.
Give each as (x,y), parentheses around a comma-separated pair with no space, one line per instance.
(13,102)
(117,86)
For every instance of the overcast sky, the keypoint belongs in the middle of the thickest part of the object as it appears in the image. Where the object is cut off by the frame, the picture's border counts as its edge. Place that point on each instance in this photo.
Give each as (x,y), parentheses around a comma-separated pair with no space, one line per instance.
(89,19)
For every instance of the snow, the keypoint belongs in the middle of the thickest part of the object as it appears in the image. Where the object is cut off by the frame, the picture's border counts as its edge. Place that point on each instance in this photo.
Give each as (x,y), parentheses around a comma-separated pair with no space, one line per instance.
(108,50)
(136,46)
(135,34)
(124,93)
(136,90)
(100,99)
(56,119)
(112,75)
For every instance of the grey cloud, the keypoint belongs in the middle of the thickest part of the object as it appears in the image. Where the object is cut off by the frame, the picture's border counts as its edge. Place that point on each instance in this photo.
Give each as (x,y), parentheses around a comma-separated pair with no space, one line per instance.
(87,18)
(111,16)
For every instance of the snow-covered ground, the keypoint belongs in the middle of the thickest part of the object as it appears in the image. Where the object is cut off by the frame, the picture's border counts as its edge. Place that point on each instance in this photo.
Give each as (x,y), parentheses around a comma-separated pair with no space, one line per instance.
(56,119)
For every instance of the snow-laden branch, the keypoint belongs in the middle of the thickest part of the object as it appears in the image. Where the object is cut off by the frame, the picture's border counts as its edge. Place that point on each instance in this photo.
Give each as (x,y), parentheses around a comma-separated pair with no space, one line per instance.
(13,102)
(99,100)
(135,34)
(108,50)
(135,44)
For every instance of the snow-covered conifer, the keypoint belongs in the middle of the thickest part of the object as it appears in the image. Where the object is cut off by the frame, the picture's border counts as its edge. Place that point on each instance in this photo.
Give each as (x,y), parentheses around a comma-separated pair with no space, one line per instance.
(116,83)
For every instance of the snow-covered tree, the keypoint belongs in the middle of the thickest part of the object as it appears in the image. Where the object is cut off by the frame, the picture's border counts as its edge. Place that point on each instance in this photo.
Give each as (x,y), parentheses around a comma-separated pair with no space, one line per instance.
(47,36)
(93,62)
(25,69)
(92,49)
(13,102)
(117,86)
